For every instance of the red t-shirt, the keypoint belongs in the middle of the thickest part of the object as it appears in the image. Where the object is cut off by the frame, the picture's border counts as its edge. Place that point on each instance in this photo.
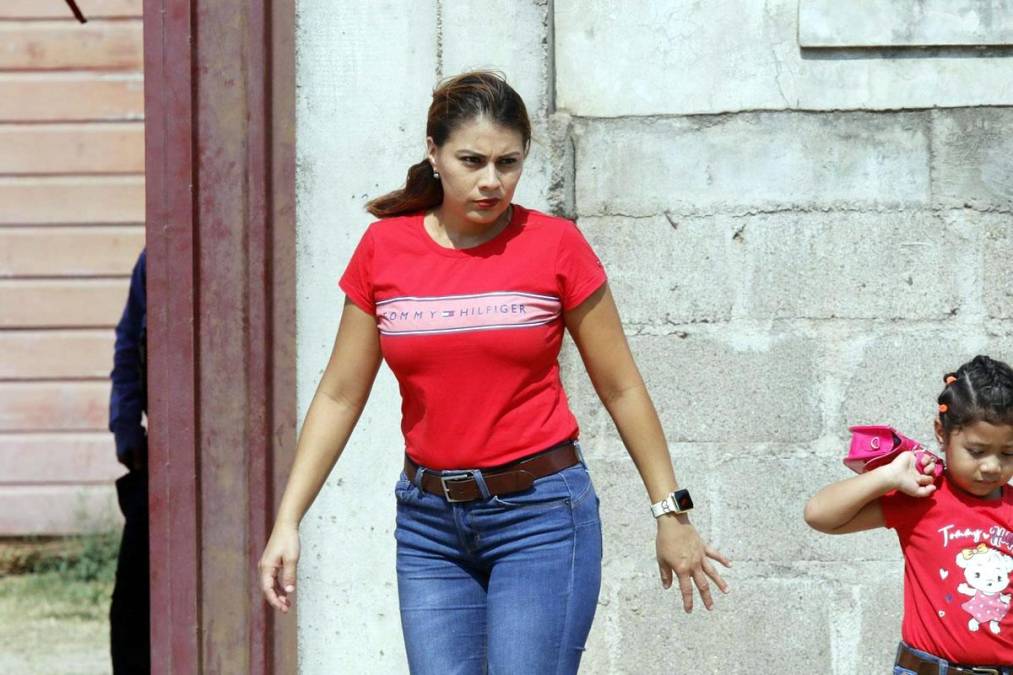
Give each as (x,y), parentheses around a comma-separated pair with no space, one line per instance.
(473,335)
(958,555)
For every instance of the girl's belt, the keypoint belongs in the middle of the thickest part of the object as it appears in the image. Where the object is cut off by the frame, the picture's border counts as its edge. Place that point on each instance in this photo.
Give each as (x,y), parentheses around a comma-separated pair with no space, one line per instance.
(908,659)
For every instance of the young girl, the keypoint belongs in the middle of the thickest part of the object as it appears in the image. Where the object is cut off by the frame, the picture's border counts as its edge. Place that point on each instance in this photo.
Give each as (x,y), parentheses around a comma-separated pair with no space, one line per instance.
(955,531)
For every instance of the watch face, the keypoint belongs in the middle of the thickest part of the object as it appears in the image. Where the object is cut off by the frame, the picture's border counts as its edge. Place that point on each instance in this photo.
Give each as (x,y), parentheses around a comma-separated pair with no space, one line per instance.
(682,500)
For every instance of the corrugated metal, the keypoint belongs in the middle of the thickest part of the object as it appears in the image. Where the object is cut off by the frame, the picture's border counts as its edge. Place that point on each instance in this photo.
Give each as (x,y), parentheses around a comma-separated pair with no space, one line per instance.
(71,200)
(54,354)
(72,148)
(56,458)
(58,509)
(92,9)
(71,97)
(71,227)
(57,45)
(69,251)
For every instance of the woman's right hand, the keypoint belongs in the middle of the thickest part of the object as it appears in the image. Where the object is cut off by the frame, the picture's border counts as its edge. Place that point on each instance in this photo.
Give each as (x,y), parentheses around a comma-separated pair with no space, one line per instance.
(913,476)
(277,566)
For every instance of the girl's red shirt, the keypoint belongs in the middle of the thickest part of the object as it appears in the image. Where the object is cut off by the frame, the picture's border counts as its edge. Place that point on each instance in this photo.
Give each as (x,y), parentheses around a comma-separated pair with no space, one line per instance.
(958,555)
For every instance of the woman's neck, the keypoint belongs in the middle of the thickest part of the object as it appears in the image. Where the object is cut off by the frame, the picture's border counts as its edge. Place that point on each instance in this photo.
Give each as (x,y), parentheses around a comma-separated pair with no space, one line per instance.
(459,232)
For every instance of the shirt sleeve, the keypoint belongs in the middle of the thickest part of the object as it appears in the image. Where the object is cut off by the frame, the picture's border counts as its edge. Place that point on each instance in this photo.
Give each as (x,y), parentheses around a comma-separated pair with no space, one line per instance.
(579,272)
(357,281)
(127,396)
(901,511)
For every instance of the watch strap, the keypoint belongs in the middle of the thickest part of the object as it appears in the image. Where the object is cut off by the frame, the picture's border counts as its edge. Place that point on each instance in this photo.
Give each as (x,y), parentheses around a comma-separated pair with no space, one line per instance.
(677,502)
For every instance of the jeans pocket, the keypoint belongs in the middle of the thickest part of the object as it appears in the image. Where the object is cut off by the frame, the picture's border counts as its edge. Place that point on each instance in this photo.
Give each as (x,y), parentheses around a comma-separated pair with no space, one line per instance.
(565,487)
(547,492)
(899,670)
(578,479)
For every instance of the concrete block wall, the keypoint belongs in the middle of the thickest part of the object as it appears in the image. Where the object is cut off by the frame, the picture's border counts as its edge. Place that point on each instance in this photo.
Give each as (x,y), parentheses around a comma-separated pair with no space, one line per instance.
(798,240)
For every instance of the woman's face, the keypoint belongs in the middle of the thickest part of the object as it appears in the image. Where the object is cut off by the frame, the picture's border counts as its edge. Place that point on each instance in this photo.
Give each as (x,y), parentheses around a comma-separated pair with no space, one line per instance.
(479,165)
(979,456)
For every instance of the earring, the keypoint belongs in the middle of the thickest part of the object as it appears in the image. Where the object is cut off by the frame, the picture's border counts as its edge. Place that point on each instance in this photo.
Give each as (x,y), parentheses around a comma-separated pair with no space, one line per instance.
(436,174)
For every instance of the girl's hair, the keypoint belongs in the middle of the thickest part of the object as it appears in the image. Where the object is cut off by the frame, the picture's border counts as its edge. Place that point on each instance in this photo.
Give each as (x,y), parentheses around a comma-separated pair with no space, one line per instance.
(980,390)
(456,101)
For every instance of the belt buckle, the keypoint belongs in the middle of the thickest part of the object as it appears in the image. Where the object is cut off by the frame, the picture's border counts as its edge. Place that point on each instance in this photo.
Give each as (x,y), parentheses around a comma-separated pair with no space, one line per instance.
(458,477)
(985,671)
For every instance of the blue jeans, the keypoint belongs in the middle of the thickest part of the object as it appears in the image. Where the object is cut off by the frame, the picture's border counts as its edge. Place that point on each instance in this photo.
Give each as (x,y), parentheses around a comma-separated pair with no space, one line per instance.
(944,665)
(503,585)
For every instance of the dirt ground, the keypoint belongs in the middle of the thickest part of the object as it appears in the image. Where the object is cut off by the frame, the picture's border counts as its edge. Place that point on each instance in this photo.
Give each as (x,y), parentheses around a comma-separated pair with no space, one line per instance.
(55,621)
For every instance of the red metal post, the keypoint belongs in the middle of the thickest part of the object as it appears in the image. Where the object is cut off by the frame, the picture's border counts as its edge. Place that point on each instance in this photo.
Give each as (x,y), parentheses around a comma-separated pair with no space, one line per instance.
(220,230)
(174,416)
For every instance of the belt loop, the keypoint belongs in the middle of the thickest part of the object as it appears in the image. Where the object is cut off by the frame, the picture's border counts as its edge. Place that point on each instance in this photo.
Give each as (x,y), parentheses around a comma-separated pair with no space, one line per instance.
(418,476)
(480,482)
(580,452)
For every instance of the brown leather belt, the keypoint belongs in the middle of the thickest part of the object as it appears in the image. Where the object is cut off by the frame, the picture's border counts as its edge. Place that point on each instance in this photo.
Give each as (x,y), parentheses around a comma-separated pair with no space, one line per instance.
(461,486)
(908,659)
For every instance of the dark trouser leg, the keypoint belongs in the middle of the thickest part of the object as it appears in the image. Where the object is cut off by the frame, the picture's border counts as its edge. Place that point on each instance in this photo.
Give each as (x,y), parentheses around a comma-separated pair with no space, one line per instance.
(129,614)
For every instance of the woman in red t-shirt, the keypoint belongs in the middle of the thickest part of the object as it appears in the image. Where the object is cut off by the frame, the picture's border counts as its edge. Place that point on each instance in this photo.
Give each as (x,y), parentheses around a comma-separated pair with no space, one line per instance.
(954,531)
(466,296)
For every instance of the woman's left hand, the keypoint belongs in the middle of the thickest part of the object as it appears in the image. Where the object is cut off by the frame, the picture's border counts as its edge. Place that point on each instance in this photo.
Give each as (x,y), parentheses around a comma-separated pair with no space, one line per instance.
(680,550)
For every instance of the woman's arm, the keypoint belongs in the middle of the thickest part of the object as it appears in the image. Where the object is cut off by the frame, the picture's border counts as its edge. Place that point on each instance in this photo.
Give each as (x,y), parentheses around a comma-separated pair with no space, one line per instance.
(598,334)
(332,415)
(852,504)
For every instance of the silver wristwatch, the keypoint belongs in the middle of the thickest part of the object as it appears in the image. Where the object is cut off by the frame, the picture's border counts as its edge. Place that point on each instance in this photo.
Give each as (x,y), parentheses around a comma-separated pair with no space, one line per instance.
(677,502)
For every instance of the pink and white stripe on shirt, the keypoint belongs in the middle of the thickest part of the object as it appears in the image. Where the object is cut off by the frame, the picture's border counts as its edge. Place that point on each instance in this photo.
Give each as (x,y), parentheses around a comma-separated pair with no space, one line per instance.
(411,315)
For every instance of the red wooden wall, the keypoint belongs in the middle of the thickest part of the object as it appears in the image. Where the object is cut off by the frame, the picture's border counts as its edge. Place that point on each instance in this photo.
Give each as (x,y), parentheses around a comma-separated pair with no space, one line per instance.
(71,226)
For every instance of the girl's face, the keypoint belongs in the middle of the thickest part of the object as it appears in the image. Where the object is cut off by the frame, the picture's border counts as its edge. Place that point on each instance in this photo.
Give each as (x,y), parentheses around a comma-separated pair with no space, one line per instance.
(479,165)
(979,457)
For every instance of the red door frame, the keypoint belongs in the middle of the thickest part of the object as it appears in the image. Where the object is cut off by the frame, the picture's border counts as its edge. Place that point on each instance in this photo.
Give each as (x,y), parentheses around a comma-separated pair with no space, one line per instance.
(220,190)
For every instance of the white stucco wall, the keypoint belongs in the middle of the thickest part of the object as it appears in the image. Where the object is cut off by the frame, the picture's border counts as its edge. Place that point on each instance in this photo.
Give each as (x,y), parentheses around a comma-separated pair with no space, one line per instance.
(360,99)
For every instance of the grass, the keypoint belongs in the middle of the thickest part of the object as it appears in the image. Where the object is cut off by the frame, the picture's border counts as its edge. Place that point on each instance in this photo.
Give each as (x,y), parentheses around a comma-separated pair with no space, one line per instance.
(54,604)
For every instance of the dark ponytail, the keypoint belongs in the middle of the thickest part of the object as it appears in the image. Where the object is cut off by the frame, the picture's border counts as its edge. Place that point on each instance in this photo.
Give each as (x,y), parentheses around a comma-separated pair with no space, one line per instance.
(422,190)
(980,390)
(456,100)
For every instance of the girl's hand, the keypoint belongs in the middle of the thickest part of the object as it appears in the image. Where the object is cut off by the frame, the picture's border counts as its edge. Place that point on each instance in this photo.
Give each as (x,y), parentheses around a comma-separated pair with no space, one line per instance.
(281,553)
(680,550)
(911,476)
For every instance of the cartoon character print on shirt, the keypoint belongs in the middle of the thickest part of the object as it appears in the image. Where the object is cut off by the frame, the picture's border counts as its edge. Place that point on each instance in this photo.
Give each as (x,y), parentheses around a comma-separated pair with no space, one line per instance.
(986,574)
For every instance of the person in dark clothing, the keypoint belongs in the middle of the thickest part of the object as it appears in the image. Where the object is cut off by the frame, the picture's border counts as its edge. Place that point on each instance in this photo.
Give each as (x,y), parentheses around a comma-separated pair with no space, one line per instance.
(129,614)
